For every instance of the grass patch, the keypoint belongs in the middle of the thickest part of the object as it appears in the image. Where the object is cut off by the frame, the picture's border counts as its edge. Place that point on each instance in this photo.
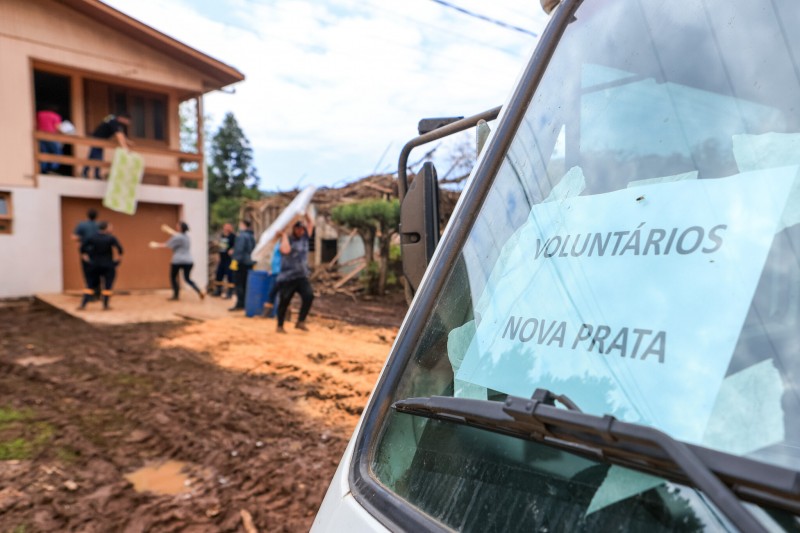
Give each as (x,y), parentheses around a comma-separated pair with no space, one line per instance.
(67,455)
(21,437)
(8,415)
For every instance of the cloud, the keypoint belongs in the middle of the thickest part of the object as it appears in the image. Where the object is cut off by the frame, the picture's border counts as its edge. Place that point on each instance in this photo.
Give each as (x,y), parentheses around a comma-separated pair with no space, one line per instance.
(329,85)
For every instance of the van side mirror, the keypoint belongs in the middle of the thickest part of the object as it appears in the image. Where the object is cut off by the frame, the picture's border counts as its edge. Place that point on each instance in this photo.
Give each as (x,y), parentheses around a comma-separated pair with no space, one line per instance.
(419,224)
(427,125)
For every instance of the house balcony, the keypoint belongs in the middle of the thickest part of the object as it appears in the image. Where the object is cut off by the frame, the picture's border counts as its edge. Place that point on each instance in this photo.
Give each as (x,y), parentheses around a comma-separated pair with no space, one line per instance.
(163,166)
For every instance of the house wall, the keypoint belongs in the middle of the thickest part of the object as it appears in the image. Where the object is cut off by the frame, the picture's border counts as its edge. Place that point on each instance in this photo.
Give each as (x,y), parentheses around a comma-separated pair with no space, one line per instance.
(47,35)
(33,252)
(45,32)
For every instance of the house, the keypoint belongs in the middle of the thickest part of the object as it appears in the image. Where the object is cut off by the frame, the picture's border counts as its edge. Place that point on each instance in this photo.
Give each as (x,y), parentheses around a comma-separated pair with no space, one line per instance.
(88,61)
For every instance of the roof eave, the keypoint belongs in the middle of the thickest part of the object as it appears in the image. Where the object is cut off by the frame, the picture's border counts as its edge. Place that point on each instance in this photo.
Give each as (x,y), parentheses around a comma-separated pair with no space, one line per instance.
(217,74)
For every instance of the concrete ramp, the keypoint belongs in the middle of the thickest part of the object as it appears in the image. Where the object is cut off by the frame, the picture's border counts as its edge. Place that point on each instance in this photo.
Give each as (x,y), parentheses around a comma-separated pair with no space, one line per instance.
(138,307)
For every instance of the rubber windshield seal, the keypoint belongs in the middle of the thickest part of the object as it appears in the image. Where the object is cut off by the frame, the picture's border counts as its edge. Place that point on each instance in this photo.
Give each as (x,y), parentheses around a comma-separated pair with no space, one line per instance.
(386,506)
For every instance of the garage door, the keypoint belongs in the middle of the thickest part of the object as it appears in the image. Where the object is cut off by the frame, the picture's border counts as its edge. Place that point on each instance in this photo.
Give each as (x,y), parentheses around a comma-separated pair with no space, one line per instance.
(142,267)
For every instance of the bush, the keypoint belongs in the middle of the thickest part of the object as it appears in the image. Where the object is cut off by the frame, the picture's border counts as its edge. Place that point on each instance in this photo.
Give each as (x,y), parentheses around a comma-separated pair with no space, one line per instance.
(374,218)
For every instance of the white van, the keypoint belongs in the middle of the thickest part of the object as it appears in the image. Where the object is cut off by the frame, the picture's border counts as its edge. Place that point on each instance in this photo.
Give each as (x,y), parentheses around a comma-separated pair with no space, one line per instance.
(606,337)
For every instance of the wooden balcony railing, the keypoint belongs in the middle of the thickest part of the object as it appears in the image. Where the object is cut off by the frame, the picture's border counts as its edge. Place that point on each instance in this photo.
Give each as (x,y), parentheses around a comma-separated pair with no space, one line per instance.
(162,165)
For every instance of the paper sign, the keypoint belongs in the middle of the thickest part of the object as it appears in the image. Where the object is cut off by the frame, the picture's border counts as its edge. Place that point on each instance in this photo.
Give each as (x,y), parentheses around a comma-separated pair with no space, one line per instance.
(748,414)
(629,302)
(620,484)
(127,169)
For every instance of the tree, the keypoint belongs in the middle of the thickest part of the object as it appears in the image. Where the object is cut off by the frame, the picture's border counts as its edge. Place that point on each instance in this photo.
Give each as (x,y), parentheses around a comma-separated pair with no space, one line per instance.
(459,160)
(228,208)
(230,169)
(372,219)
(189,130)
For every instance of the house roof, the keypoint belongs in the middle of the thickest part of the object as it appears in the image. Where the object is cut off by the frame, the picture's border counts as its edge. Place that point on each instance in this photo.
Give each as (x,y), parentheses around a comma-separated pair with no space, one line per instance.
(219,74)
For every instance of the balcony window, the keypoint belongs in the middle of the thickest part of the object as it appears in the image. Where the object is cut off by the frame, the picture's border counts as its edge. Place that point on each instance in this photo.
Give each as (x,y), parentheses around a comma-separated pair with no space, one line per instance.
(148,112)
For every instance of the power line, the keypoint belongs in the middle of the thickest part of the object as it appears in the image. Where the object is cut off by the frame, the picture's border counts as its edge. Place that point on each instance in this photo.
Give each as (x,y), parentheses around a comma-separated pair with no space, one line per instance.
(439,29)
(528,14)
(485,18)
(380,38)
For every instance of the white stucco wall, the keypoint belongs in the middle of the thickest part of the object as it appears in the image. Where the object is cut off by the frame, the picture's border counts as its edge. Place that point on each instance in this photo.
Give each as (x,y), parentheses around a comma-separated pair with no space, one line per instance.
(32,254)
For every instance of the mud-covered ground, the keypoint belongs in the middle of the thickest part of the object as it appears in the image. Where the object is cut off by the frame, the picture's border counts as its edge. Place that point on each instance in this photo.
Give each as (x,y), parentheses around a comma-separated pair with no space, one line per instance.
(259,420)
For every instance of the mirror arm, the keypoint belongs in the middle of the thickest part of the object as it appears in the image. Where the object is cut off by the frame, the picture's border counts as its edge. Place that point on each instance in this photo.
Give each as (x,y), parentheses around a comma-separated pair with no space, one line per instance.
(444,131)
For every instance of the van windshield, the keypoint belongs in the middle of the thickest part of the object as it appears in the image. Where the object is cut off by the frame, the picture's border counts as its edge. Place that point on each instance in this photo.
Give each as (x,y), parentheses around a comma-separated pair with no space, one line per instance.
(639,252)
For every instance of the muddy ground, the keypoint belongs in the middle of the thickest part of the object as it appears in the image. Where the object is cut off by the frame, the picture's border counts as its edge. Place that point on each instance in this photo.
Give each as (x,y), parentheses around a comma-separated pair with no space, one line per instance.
(257,420)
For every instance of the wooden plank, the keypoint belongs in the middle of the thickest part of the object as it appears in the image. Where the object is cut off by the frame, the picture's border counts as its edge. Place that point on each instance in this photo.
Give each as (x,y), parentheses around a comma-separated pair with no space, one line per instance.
(69,160)
(344,246)
(354,261)
(378,187)
(247,521)
(350,276)
(194,174)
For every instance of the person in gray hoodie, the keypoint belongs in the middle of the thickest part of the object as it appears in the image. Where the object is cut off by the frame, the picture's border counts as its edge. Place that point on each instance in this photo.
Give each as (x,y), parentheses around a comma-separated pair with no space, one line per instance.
(181,260)
(242,248)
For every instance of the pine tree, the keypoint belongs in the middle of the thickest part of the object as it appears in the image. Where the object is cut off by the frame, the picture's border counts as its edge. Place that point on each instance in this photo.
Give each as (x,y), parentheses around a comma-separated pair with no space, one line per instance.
(230,171)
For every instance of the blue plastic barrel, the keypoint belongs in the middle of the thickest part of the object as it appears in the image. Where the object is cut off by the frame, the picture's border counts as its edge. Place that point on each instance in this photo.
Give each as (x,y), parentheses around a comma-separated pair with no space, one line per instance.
(258,286)
(271,283)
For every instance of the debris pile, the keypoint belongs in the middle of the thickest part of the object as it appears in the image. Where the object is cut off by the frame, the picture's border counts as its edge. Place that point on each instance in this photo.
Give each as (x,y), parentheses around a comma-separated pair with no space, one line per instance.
(329,277)
(263,212)
(338,275)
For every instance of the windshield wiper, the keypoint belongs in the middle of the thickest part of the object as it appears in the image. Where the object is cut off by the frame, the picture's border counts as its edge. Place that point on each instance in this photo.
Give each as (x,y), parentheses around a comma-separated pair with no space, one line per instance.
(722,477)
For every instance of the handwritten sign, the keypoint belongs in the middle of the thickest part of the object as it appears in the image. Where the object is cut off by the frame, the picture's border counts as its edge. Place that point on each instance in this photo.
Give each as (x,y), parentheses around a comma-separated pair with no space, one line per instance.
(629,302)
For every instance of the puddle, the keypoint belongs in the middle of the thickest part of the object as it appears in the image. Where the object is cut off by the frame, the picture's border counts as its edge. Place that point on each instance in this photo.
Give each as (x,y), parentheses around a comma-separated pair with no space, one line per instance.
(36,360)
(168,477)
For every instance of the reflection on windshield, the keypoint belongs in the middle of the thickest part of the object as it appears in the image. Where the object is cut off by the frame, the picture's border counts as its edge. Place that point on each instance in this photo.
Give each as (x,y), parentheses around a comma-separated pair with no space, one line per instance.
(675,129)
(638,252)
(597,297)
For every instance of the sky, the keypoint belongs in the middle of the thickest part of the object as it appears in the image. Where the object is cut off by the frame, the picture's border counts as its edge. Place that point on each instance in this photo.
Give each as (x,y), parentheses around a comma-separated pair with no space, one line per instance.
(334,88)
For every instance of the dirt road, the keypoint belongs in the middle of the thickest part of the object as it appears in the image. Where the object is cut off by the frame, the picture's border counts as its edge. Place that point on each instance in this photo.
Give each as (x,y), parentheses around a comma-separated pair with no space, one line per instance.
(225,417)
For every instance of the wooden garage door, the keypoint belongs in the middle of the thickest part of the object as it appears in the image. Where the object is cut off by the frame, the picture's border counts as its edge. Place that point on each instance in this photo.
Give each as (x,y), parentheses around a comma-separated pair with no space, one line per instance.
(142,267)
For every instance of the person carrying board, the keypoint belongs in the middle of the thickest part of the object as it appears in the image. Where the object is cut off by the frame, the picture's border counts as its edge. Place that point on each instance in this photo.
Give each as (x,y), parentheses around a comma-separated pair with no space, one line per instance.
(293,277)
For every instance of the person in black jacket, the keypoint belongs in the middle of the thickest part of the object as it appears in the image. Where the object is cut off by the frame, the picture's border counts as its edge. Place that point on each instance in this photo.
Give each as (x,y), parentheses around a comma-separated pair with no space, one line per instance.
(224,273)
(112,127)
(242,248)
(98,252)
(82,233)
